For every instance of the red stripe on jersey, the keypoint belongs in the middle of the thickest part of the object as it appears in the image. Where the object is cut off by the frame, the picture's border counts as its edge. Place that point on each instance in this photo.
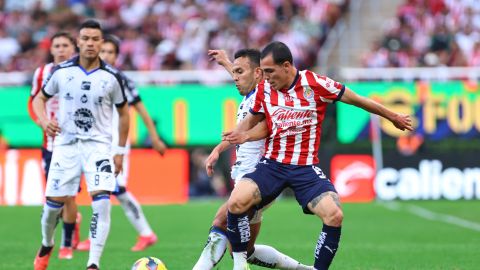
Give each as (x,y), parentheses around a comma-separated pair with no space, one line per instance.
(276,139)
(39,80)
(34,92)
(302,159)
(290,147)
(323,91)
(320,114)
(259,97)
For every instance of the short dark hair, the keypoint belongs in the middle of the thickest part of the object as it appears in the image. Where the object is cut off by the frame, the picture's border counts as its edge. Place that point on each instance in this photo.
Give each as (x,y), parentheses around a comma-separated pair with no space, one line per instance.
(90,24)
(114,40)
(252,54)
(65,35)
(280,52)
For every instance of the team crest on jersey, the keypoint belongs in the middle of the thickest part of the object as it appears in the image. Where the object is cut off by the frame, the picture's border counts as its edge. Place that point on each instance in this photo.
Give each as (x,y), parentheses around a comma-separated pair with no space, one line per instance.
(83,118)
(307,92)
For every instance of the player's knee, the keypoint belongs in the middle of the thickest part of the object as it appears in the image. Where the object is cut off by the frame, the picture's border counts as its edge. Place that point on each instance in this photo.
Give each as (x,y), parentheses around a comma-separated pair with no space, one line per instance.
(334,218)
(238,205)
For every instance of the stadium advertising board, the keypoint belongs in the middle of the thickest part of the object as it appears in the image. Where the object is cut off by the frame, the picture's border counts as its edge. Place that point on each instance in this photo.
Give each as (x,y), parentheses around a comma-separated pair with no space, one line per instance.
(440,109)
(421,177)
(152,178)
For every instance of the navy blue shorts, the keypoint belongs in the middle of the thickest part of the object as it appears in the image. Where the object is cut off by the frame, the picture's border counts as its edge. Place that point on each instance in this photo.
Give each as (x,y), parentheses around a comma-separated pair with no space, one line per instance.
(46,159)
(306,181)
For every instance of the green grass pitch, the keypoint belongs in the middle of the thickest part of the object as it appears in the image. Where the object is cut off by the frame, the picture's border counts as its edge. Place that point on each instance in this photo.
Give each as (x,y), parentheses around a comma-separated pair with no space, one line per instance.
(399,235)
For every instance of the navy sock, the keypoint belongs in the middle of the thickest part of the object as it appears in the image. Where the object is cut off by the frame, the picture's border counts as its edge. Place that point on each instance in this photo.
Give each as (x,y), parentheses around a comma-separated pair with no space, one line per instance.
(327,246)
(238,231)
(68,234)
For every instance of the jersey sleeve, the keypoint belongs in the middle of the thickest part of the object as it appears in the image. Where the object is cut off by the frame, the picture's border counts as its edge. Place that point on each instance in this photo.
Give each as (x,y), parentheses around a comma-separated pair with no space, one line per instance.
(36,86)
(50,86)
(258,101)
(327,89)
(131,92)
(118,93)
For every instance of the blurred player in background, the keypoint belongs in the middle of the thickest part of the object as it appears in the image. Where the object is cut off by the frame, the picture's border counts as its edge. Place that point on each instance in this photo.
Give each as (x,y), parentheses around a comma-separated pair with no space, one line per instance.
(133,211)
(87,89)
(293,103)
(246,73)
(62,47)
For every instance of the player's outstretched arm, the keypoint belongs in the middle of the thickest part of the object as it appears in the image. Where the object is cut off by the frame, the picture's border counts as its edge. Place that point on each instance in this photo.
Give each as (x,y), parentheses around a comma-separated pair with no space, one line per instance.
(157,143)
(49,125)
(258,132)
(400,121)
(220,56)
(123,125)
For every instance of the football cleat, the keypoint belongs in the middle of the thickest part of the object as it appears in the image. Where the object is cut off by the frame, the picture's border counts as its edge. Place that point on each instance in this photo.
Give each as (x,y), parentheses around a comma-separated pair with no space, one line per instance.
(41,263)
(65,253)
(144,241)
(84,245)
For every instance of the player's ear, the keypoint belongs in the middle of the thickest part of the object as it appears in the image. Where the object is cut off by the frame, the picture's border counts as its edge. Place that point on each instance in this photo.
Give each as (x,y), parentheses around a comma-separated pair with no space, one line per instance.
(286,66)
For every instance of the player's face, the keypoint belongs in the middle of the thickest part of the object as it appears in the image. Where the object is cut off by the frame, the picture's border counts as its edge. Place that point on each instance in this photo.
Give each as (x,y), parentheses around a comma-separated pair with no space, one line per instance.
(243,75)
(108,53)
(276,75)
(61,49)
(89,42)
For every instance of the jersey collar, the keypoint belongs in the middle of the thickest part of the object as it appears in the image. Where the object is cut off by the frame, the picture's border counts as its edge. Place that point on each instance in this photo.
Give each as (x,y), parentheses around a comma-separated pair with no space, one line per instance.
(250,93)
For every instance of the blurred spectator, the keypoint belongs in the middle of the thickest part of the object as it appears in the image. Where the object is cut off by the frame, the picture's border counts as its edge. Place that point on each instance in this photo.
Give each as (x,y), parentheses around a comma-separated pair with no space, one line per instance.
(169,34)
(430,33)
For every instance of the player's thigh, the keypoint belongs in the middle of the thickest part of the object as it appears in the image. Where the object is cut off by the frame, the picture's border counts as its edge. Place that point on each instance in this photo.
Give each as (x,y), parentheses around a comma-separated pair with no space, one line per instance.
(245,195)
(98,167)
(327,207)
(269,182)
(308,182)
(64,173)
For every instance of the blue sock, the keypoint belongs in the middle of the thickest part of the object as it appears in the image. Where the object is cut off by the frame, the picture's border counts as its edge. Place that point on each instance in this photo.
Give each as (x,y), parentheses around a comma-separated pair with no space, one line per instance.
(238,231)
(327,246)
(68,234)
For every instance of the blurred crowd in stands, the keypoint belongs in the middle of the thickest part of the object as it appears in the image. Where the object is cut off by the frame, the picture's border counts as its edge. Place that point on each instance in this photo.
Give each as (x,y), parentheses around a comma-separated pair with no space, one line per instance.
(168,34)
(430,33)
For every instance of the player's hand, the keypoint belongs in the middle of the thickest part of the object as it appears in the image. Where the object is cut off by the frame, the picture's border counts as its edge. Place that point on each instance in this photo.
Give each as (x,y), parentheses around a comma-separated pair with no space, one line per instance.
(402,122)
(159,146)
(210,162)
(235,137)
(51,127)
(118,161)
(220,56)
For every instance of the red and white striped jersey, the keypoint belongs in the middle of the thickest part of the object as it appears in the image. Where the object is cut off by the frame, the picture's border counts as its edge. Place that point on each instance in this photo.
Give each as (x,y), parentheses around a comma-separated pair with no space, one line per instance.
(51,107)
(295,115)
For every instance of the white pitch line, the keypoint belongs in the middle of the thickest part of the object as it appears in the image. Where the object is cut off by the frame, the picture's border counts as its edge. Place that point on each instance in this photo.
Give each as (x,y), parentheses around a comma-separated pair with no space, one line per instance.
(427,214)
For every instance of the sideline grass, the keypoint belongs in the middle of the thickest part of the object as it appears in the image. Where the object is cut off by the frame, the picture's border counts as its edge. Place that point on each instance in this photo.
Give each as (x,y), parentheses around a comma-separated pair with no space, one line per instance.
(373,237)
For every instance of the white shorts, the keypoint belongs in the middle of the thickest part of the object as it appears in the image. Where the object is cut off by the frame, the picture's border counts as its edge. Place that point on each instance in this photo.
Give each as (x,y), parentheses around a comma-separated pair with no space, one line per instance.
(92,158)
(122,178)
(239,171)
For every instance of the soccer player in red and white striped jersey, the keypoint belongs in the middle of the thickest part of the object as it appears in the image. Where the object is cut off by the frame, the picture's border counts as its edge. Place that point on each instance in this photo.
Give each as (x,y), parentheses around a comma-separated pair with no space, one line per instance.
(293,103)
(62,48)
